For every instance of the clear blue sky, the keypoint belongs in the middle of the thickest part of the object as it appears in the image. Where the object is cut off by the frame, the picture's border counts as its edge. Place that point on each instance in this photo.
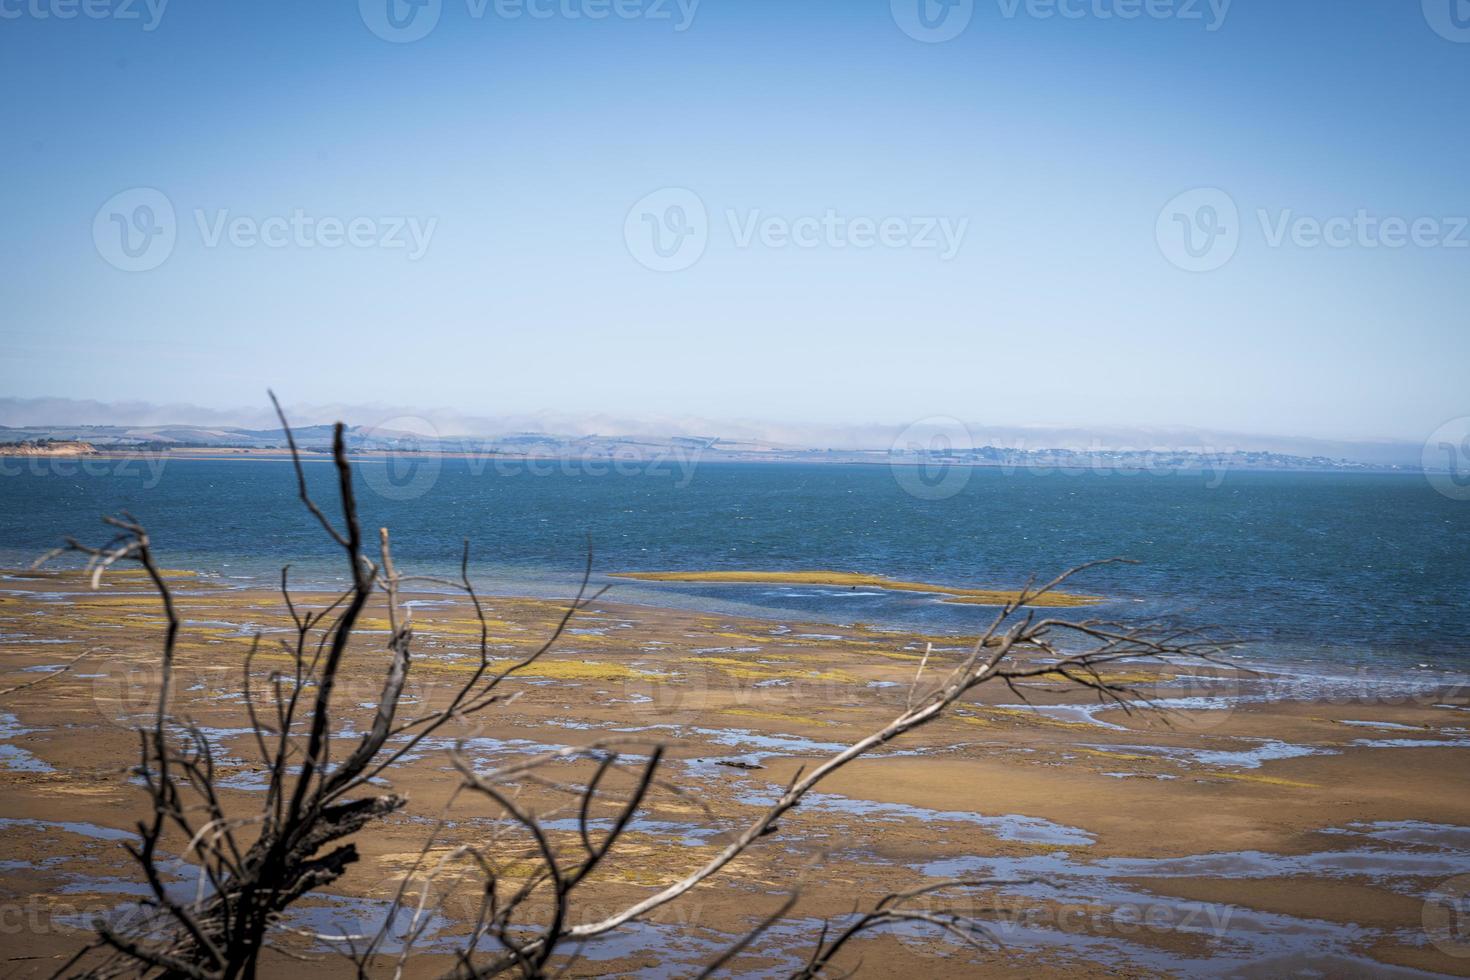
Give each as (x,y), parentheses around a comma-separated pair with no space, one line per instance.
(527,141)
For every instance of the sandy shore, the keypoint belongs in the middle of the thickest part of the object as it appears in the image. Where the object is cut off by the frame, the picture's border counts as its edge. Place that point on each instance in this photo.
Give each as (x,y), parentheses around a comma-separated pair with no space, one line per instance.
(1250,826)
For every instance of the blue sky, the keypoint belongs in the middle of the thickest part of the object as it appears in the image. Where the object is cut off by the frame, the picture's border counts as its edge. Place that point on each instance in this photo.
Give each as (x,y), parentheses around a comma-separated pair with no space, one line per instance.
(517,147)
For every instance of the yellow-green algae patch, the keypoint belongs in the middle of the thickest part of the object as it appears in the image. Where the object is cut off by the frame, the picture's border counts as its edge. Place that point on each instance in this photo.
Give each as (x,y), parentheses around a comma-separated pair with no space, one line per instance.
(1245,777)
(581,670)
(985,597)
(1122,679)
(83,575)
(1028,715)
(773,716)
(756,670)
(1102,753)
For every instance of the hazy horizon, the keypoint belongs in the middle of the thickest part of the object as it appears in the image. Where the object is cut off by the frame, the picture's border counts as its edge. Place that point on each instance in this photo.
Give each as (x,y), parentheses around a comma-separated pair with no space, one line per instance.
(867,435)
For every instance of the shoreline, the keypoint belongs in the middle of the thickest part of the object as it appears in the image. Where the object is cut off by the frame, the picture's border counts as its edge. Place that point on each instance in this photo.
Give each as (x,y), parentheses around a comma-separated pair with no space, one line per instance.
(1383,671)
(1232,805)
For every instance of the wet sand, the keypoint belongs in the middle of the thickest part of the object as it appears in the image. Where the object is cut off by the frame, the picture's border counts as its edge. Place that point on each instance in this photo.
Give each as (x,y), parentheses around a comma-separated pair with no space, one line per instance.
(1249,825)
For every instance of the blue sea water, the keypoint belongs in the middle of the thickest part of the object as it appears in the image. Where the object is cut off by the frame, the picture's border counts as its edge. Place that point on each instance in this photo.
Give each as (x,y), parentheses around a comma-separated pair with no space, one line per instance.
(1324,567)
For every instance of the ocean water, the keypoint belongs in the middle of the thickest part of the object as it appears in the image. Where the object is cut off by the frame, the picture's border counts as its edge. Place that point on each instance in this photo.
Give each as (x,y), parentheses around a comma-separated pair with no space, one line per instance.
(1323,567)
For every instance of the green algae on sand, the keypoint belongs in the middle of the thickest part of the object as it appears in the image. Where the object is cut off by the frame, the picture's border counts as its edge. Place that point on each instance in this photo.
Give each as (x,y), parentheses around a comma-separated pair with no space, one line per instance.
(979,597)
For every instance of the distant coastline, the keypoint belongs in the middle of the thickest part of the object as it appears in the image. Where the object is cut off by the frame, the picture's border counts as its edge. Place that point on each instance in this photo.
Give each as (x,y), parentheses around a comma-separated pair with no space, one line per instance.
(937,442)
(613,451)
(47,448)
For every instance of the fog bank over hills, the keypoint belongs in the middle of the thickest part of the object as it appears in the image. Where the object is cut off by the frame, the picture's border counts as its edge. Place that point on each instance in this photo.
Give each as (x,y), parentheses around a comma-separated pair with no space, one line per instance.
(120,423)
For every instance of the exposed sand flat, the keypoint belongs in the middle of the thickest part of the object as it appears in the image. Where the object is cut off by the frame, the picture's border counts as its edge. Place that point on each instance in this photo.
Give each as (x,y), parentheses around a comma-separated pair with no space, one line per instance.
(852,580)
(1237,832)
